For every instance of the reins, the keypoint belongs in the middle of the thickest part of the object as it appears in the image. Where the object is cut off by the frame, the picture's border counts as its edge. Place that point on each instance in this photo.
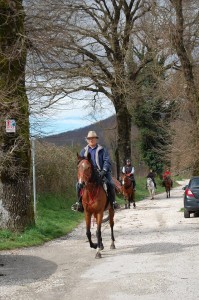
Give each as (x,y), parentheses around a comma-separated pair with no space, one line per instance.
(92,195)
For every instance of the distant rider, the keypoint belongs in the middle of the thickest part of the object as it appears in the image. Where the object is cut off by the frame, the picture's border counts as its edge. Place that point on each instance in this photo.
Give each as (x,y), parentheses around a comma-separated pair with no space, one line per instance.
(167,174)
(151,175)
(129,170)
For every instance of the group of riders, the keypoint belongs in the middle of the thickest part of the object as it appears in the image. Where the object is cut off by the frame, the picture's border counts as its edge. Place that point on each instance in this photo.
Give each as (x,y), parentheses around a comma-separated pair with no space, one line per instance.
(102,164)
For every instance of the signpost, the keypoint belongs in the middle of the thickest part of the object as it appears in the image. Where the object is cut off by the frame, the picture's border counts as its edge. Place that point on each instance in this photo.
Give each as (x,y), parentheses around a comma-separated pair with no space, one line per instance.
(33,174)
(10,125)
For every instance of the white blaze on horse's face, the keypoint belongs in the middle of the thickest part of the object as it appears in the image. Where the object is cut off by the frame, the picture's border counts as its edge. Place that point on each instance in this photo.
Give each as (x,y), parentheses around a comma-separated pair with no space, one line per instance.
(83,175)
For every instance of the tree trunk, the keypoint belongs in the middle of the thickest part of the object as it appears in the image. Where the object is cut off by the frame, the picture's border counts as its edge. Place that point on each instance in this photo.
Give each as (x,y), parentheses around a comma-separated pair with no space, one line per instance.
(191,90)
(16,210)
(123,150)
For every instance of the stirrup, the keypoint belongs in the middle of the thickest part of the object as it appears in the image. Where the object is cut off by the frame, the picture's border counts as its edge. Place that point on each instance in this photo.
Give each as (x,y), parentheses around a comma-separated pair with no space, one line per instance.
(77,207)
(116,205)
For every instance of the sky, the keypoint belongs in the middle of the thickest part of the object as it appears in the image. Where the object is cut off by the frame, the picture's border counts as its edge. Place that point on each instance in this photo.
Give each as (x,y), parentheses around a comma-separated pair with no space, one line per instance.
(64,117)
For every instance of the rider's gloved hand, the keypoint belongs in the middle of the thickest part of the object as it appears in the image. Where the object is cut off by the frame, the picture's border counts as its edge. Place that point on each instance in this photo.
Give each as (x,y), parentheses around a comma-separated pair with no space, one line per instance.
(102,173)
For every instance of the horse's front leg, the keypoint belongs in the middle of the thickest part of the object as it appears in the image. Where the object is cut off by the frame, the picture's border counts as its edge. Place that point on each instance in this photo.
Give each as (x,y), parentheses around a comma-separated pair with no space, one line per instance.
(111,221)
(133,199)
(129,201)
(88,230)
(99,236)
(125,201)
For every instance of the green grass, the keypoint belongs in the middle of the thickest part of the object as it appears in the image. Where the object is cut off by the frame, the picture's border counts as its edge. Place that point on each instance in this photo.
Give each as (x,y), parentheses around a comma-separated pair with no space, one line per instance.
(55,218)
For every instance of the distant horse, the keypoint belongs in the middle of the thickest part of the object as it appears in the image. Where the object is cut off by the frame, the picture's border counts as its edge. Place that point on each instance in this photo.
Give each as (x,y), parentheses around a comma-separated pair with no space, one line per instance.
(94,200)
(150,187)
(127,191)
(167,184)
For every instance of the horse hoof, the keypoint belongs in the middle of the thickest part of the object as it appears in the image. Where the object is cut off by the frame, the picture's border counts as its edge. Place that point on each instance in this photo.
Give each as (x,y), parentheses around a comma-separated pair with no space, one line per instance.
(94,245)
(98,255)
(102,247)
(112,246)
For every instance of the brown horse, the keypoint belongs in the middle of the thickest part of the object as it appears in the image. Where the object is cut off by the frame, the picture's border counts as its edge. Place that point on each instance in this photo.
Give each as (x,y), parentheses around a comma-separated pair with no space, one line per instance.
(127,191)
(94,200)
(168,184)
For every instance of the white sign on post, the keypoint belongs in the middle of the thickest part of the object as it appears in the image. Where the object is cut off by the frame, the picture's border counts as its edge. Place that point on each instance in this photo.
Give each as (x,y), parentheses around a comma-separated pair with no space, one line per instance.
(10,125)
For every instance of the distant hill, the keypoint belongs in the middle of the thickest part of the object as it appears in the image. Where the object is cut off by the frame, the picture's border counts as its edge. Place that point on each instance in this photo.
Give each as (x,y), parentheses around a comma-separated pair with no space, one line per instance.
(77,136)
(106,130)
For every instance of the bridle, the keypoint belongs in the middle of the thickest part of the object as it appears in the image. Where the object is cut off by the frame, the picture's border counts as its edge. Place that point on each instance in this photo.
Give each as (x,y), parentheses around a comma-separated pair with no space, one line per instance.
(124,183)
(84,171)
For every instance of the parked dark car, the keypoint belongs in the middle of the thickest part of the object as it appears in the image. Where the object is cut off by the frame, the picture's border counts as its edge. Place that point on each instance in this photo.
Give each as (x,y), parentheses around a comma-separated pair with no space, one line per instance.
(191,197)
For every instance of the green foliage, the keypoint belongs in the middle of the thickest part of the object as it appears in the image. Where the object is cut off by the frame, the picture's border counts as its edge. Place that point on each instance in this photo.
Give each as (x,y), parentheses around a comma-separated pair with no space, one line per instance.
(153,117)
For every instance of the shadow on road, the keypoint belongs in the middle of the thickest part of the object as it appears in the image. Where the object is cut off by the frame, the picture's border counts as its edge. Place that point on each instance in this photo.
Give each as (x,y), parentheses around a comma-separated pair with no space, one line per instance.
(155,248)
(21,269)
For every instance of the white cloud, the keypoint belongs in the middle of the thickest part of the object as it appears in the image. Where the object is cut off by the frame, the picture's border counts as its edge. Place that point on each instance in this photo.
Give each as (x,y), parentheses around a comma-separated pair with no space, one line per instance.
(69,115)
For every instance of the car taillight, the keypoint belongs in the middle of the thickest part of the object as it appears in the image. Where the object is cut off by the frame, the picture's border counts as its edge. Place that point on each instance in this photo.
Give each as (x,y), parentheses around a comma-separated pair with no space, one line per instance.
(189,193)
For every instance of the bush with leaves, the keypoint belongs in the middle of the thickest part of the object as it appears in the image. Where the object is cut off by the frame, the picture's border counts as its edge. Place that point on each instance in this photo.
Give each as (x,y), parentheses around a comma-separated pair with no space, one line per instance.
(56,168)
(153,120)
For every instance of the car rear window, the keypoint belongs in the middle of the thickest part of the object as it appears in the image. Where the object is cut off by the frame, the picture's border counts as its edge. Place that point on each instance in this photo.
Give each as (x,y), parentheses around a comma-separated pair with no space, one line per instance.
(194,182)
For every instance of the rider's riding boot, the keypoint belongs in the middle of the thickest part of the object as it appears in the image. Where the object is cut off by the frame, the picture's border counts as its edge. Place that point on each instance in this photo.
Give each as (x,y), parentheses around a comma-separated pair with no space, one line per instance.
(134,185)
(112,196)
(78,205)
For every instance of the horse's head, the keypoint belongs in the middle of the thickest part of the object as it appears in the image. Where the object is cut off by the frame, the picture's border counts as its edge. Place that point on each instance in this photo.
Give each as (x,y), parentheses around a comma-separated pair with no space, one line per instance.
(85,169)
(125,180)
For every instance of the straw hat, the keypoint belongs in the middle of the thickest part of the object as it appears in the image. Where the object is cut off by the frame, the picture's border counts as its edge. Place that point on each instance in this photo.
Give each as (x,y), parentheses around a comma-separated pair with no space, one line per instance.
(92,134)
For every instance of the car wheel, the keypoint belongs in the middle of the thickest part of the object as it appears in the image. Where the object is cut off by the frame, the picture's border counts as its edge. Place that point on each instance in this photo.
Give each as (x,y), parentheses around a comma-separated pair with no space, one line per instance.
(186,213)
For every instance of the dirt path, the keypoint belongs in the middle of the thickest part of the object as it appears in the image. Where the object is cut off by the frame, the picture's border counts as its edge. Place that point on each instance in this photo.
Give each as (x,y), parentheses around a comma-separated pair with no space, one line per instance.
(157,257)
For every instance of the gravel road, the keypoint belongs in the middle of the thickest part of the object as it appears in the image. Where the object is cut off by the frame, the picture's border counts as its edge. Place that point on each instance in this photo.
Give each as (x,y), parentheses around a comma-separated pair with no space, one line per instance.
(156,257)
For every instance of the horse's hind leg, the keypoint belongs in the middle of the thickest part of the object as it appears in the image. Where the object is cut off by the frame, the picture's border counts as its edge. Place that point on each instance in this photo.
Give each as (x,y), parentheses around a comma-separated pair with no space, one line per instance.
(133,200)
(111,221)
(125,201)
(129,202)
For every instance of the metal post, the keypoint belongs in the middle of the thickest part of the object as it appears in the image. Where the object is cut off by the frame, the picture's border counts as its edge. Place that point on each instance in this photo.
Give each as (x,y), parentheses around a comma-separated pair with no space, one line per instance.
(33,174)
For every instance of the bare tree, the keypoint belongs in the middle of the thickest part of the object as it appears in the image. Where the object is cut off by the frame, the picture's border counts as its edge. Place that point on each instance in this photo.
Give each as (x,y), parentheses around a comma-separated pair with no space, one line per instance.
(15,201)
(185,50)
(87,51)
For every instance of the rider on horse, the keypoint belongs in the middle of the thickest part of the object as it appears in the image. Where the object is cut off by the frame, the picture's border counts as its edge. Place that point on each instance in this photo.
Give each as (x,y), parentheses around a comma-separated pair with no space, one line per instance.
(151,175)
(167,174)
(101,161)
(129,170)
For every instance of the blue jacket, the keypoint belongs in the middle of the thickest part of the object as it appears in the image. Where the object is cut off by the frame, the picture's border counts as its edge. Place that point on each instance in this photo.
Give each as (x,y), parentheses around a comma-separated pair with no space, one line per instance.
(99,156)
